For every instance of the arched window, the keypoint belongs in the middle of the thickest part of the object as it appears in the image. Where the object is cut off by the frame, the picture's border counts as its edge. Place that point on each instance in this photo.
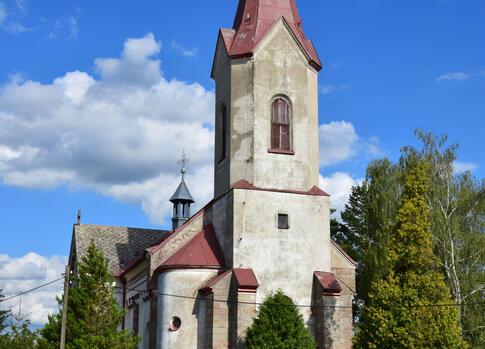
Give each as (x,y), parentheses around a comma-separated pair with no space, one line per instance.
(280,125)
(223,137)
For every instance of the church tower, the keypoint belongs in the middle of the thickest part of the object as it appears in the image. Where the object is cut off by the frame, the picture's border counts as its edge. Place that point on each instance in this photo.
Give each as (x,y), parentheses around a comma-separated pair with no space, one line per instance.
(266,74)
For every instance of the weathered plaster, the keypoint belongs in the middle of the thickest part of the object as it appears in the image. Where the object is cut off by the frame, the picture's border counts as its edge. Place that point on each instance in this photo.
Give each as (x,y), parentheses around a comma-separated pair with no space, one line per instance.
(182,283)
(282,259)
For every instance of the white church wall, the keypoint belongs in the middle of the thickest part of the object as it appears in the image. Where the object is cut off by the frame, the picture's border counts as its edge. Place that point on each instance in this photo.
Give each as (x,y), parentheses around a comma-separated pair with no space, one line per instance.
(282,259)
(182,283)
(281,69)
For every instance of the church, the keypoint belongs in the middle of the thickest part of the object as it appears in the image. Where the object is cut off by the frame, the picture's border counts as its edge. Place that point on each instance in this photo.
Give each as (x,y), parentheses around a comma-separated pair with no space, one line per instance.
(267,228)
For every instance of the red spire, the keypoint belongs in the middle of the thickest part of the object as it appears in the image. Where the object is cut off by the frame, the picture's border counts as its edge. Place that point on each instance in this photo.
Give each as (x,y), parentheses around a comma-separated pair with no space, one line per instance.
(254,18)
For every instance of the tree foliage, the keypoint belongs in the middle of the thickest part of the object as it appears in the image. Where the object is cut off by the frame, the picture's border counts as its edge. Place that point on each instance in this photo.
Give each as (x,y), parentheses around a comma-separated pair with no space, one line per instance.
(93,316)
(364,231)
(456,203)
(279,325)
(3,314)
(397,314)
(17,333)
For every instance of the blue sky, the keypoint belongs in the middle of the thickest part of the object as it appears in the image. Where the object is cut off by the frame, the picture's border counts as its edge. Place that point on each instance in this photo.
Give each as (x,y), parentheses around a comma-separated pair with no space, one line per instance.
(98,98)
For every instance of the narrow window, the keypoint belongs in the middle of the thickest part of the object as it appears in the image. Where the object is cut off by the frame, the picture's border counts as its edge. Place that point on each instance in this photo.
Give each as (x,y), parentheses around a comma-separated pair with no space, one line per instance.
(283,221)
(136,316)
(222,154)
(280,124)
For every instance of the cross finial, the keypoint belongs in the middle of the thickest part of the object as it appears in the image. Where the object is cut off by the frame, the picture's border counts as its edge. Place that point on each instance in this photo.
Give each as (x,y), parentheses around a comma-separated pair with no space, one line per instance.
(182,162)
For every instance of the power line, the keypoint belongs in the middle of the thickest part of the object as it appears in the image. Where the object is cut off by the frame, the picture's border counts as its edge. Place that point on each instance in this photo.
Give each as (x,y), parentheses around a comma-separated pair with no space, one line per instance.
(31,290)
(297,305)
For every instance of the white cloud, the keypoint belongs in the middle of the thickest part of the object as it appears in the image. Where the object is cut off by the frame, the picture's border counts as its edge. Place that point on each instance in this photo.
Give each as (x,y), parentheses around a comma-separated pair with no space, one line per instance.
(464,166)
(326,89)
(338,142)
(136,65)
(182,50)
(120,135)
(65,28)
(339,186)
(24,273)
(454,76)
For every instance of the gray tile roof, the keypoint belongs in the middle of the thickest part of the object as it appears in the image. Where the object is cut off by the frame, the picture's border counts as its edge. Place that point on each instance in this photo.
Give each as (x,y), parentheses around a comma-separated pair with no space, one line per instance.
(119,244)
(182,193)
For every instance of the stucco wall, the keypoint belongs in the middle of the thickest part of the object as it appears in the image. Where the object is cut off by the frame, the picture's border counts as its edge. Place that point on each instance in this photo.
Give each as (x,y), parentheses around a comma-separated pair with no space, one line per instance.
(278,67)
(182,283)
(281,68)
(282,258)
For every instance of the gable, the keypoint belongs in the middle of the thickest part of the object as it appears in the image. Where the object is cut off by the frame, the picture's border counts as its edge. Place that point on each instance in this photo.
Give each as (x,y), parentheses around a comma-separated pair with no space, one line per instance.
(202,250)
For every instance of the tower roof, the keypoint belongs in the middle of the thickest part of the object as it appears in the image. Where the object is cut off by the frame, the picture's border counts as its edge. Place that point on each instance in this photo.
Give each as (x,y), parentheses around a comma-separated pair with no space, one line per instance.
(254,19)
(182,193)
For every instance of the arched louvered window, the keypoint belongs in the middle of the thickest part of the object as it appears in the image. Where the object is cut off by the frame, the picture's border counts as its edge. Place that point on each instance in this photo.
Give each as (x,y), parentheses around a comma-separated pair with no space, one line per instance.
(223,128)
(280,125)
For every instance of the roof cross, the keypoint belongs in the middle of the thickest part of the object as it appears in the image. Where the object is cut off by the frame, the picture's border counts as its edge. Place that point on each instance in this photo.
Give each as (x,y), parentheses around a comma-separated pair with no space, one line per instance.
(183,162)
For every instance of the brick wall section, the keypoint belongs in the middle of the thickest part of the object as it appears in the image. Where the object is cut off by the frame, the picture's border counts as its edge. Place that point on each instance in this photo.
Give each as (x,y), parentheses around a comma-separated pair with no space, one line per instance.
(217,315)
(245,315)
(333,314)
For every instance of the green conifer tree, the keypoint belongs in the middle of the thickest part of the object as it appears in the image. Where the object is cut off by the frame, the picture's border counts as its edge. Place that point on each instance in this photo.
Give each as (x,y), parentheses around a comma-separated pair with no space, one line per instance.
(93,316)
(279,325)
(407,307)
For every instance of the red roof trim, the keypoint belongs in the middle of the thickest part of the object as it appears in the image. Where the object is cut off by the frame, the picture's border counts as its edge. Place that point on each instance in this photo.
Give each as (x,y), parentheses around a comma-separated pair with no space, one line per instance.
(202,250)
(315,191)
(130,265)
(255,18)
(330,285)
(247,280)
(344,253)
(155,248)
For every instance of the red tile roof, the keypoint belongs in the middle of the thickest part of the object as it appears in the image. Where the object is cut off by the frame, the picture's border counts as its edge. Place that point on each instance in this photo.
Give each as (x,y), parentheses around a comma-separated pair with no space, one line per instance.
(202,250)
(329,283)
(246,279)
(255,18)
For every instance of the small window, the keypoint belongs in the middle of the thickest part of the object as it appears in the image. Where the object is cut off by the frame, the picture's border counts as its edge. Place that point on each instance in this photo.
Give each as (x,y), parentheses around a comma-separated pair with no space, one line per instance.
(175,323)
(136,318)
(282,221)
(223,126)
(280,125)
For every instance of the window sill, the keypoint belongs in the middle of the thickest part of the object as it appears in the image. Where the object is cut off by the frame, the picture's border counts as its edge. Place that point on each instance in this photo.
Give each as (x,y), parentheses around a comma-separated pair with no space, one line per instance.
(281,151)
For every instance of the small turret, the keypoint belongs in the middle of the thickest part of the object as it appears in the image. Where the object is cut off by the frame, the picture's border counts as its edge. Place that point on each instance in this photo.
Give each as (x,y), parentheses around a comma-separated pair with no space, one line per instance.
(181,199)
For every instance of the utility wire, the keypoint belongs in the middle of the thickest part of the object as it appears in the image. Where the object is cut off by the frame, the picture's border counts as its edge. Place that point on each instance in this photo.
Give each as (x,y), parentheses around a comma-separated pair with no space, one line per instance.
(31,290)
(297,305)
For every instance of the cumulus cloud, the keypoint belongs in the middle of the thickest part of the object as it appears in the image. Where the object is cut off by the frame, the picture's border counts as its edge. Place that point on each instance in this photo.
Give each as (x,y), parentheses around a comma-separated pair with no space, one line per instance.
(24,273)
(182,50)
(464,166)
(119,133)
(454,76)
(339,186)
(339,142)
